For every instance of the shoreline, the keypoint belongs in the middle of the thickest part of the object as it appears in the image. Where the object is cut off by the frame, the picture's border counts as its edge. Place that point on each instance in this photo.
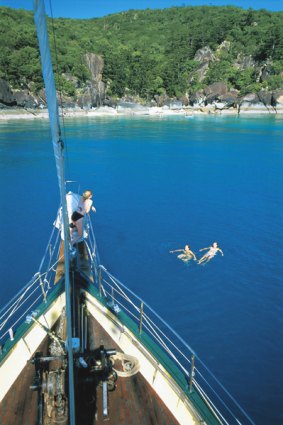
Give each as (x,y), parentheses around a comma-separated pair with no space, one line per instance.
(23,114)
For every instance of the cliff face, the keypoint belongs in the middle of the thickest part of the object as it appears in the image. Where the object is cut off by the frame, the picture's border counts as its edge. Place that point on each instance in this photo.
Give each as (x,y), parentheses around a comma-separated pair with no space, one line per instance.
(93,94)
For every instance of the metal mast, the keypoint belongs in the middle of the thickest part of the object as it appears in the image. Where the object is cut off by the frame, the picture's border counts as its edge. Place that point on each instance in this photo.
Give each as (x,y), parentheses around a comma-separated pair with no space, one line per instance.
(58,146)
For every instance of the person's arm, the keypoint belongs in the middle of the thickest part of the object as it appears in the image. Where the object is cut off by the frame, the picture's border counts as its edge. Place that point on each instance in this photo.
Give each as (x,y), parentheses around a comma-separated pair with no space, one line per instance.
(88,206)
(195,258)
(204,248)
(176,250)
(221,252)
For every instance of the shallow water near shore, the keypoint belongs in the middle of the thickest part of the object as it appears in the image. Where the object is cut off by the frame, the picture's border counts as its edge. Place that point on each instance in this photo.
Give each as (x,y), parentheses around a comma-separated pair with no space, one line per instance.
(158,184)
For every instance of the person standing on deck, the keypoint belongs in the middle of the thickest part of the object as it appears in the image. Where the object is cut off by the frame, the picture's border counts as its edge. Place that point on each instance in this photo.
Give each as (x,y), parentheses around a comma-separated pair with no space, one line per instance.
(210,254)
(84,207)
(186,255)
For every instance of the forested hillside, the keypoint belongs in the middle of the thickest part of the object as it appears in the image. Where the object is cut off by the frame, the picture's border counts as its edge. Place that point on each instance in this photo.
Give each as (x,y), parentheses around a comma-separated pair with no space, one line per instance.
(173,52)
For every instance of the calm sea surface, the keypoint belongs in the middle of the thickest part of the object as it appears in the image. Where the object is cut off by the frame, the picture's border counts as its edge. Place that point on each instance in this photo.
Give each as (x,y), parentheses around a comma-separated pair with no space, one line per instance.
(159,184)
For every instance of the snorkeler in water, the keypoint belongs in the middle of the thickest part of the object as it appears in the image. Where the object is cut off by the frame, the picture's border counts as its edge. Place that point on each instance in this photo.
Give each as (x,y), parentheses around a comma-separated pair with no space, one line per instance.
(186,255)
(212,251)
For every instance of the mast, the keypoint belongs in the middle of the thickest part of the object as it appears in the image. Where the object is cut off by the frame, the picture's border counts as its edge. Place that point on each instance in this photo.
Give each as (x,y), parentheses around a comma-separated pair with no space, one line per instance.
(58,147)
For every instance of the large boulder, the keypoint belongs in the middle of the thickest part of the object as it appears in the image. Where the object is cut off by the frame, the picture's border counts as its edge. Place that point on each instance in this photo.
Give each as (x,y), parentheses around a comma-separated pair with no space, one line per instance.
(25,100)
(229,99)
(197,99)
(251,102)
(110,102)
(214,91)
(162,100)
(277,99)
(6,96)
(86,99)
(265,97)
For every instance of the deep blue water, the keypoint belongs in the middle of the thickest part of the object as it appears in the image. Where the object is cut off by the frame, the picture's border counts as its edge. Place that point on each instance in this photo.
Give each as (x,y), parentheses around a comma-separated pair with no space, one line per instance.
(159,184)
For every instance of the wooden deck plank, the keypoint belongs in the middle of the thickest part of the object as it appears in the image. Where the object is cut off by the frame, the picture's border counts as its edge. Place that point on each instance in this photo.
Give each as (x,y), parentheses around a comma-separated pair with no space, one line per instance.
(133,402)
(19,406)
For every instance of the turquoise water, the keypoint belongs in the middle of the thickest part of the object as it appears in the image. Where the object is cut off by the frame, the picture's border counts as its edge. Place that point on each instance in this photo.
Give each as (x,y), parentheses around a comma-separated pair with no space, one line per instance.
(159,184)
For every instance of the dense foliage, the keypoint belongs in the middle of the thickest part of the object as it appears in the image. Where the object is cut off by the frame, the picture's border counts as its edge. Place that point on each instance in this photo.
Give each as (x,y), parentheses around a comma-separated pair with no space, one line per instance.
(149,52)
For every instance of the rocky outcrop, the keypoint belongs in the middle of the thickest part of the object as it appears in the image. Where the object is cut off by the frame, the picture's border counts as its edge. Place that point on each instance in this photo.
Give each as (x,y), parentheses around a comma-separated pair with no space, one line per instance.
(204,56)
(224,47)
(95,64)
(265,97)
(216,95)
(6,96)
(214,91)
(277,99)
(162,100)
(244,62)
(252,101)
(197,99)
(229,99)
(25,100)
(93,94)
(265,70)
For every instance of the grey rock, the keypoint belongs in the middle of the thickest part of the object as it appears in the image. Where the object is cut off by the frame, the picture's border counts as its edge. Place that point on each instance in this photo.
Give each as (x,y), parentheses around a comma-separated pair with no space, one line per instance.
(214,91)
(176,105)
(198,98)
(184,100)
(95,64)
(74,80)
(265,97)
(230,99)
(265,71)
(252,101)
(93,94)
(244,62)
(224,47)
(250,98)
(112,103)
(204,55)
(218,88)
(277,98)
(162,100)
(6,96)
(25,100)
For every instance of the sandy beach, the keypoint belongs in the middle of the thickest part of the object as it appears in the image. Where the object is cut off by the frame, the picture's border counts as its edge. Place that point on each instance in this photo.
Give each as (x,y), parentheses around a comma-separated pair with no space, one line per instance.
(23,114)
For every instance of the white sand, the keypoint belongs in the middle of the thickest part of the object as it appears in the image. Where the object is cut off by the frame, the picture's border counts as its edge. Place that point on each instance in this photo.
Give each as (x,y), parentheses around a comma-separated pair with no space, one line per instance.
(16,114)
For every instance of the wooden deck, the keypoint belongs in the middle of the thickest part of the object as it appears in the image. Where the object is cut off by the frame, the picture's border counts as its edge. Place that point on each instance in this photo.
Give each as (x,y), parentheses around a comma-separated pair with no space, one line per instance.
(81,258)
(132,403)
(19,406)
